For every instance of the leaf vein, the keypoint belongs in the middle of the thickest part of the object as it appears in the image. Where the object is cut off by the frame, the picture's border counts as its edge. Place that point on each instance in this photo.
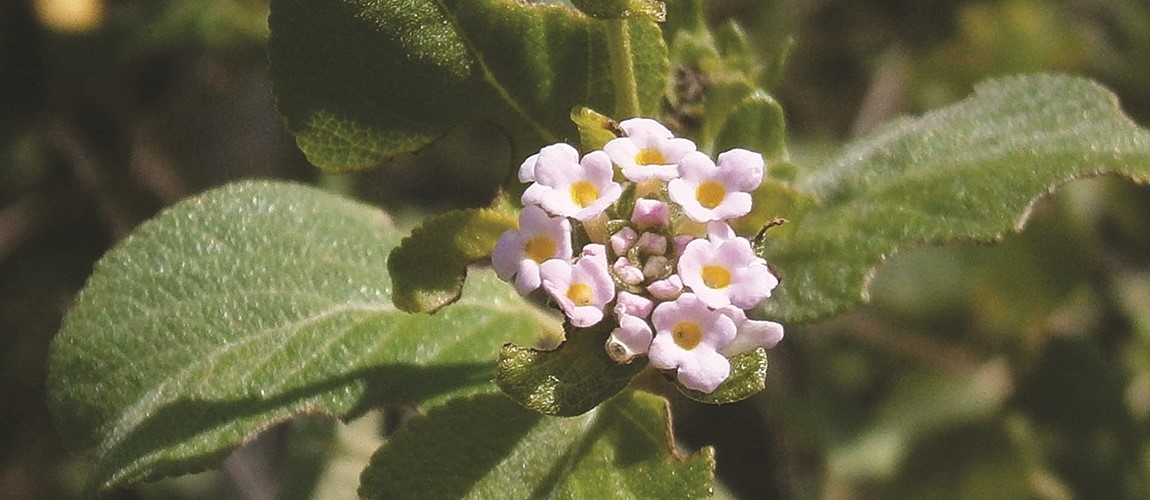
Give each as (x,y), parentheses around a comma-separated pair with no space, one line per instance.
(489,75)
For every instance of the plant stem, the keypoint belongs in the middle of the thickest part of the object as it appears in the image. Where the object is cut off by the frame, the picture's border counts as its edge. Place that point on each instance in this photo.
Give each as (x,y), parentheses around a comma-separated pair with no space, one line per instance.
(622,69)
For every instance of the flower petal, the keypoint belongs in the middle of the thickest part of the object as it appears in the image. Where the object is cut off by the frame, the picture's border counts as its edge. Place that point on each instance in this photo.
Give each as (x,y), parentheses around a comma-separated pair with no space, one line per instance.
(740,169)
(631,339)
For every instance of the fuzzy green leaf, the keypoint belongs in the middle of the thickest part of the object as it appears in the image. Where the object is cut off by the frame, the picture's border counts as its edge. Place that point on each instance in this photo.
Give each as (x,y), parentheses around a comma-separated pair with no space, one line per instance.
(968,172)
(245,306)
(359,81)
(567,381)
(489,447)
(429,266)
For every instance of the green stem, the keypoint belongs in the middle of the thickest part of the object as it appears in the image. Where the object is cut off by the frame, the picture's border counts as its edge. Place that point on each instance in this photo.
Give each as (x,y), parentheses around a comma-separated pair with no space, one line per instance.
(622,69)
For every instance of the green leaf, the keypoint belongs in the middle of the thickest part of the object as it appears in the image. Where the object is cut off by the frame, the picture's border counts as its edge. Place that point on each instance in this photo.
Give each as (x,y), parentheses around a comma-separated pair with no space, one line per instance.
(359,81)
(245,306)
(429,266)
(569,380)
(772,201)
(968,172)
(716,89)
(748,377)
(489,447)
(755,123)
(618,9)
(595,129)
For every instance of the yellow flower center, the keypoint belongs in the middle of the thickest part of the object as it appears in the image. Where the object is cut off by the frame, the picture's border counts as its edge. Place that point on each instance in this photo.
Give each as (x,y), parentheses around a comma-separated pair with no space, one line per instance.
(716,276)
(583,193)
(650,156)
(540,248)
(687,334)
(580,294)
(710,194)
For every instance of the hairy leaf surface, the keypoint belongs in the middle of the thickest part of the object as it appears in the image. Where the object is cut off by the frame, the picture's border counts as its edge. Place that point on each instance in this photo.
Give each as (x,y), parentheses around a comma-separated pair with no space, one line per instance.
(569,380)
(359,81)
(968,172)
(429,266)
(245,306)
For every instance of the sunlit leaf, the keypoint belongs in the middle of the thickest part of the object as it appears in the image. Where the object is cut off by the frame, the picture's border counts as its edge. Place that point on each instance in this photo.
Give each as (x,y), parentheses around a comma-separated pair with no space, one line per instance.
(569,380)
(618,9)
(595,129)
(245,306)
(968,172)
(748,377)
(429,266)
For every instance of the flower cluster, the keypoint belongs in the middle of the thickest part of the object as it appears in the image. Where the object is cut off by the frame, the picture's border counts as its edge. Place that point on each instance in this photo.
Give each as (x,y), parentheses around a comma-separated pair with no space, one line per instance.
(656,250)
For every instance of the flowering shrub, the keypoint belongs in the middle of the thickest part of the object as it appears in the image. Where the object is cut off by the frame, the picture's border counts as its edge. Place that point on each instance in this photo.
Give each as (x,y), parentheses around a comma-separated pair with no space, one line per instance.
(261,301)
(678,297)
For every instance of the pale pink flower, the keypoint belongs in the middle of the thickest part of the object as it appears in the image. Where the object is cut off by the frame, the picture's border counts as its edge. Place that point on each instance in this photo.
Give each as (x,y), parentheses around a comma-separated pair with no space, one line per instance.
(629,304)
(623,240)
(668,288)
(688,338)
(627,272)
(594,250)
(555,153)
(648,151)
(708,192)
(579,190)
(751,334)
(718,231)
(726,272)
(582,290)
(653,243)
(631,339)
(650,213)
(519,252)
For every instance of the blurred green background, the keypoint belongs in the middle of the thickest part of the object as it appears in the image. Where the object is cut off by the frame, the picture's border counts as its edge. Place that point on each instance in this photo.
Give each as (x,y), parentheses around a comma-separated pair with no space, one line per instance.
(1019,370)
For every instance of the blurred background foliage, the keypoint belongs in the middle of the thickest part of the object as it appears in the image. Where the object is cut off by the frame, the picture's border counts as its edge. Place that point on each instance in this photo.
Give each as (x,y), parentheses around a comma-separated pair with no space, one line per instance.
(1018,370)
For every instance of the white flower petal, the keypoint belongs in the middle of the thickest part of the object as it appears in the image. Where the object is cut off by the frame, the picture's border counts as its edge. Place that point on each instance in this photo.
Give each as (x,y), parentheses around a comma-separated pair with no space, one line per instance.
(751,334)
(631,339)
(688,336)
(740,169)
(527,168)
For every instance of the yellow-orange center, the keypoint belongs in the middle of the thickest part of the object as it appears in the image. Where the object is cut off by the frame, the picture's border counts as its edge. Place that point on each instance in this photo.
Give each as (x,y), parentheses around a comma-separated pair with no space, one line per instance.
(716,276)
(650,156)
(583,193)
(540,248)
(687,334)
(710,194)
(580,294)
